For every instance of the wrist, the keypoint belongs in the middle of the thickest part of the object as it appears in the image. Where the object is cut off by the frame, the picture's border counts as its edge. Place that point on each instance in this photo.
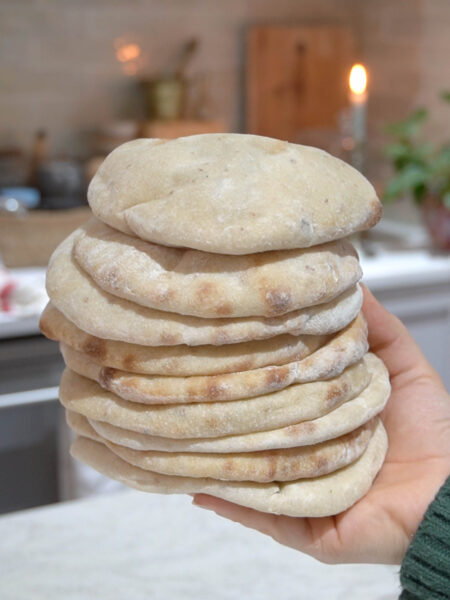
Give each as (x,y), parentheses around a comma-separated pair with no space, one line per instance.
(425,571)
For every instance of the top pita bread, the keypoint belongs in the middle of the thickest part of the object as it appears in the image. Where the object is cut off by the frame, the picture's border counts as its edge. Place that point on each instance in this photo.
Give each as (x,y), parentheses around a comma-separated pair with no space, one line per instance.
(189,282)
(231,194)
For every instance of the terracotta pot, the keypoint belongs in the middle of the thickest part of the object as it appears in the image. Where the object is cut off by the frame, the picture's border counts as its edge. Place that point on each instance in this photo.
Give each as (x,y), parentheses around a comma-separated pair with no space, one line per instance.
(437,219)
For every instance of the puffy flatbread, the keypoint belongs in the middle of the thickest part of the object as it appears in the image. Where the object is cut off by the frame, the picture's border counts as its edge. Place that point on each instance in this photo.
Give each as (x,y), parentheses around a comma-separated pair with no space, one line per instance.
(213,419)
(269,465)
(95,311)
(181,360)
(189,282)
(231,194)
(343,350)
(348,416)
(315,497)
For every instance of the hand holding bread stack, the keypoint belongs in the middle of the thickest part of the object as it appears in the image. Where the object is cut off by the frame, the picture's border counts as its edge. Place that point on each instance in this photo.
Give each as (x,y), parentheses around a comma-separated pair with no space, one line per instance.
(209,317)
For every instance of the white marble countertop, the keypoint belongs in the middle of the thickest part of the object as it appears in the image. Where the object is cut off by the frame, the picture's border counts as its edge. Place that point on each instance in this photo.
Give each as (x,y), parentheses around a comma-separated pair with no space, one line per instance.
(408,268)
(27,321)
(401,255)
(130,545)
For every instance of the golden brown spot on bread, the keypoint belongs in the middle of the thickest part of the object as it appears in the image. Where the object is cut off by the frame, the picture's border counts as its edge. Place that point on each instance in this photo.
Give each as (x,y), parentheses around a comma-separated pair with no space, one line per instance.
(224,309)
(335,393)
(272,466)
(211,422)
(278,302)
(128,362)
(321,464)
(228,466)
(204,291)
(95,348)
(374,216)
(243,365)
(169,339)
(214,390)
(192,393)
(277,377)
(309,427)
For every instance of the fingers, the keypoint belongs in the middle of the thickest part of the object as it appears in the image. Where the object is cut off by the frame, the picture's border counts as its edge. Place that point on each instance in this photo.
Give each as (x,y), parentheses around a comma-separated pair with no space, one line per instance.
(254,519)
(289,531)
(391,341)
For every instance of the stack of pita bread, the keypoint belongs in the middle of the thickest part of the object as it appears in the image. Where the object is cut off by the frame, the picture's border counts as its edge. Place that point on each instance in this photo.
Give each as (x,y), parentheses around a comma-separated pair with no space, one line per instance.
(209,317)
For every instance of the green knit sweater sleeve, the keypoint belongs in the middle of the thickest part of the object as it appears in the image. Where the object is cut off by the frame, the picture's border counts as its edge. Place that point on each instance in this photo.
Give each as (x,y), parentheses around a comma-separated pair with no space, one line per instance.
(425,571)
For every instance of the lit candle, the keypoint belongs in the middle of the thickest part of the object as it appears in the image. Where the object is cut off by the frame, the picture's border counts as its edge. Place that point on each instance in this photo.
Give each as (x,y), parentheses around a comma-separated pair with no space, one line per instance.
(358,100)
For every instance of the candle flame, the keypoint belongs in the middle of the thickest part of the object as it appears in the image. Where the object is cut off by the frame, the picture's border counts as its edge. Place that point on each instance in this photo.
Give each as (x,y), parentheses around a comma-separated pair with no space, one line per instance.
(128,52)
(358,79)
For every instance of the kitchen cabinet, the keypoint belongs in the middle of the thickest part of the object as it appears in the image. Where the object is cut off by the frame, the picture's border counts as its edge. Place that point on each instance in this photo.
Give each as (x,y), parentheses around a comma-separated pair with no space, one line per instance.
(30,369)
(29,455)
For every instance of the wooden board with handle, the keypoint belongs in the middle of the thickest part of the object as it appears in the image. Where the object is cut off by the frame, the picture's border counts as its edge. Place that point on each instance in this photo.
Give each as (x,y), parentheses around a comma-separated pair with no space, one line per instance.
(297,78)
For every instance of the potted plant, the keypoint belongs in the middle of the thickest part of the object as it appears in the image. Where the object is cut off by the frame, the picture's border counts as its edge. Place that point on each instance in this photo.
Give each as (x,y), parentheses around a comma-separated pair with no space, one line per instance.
(422,171)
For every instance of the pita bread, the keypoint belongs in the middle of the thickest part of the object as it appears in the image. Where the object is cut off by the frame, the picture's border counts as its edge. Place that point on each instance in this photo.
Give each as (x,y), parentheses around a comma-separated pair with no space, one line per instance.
(182,360)
(75,294)
(231,194)
(189,282)
(270,465)
(317,497)
(343,419)
(213,419)
(343,350)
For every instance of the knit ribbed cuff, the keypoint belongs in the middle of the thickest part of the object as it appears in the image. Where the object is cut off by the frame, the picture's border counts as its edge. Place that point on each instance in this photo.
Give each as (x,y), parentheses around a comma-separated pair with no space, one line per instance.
(405,595)
(425,571)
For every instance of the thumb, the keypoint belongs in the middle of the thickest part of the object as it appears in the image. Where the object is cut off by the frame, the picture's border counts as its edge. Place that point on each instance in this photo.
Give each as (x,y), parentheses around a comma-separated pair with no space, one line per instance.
(391,341)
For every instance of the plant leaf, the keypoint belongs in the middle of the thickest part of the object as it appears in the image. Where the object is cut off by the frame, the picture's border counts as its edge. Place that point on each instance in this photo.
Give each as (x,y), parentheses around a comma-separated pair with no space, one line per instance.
(409,127)
(413,180)
(403,155)
(440,167)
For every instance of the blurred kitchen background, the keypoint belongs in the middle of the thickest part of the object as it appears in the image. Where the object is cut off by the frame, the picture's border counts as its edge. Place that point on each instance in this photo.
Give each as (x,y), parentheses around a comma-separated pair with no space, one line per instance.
(77,78)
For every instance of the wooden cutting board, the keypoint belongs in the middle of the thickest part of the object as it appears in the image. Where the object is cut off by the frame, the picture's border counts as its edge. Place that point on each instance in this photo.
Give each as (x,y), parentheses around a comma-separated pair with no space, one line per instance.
(297,78)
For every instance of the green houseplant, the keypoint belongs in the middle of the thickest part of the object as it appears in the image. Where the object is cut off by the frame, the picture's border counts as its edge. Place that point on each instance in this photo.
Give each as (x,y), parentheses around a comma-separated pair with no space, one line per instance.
(422,171)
